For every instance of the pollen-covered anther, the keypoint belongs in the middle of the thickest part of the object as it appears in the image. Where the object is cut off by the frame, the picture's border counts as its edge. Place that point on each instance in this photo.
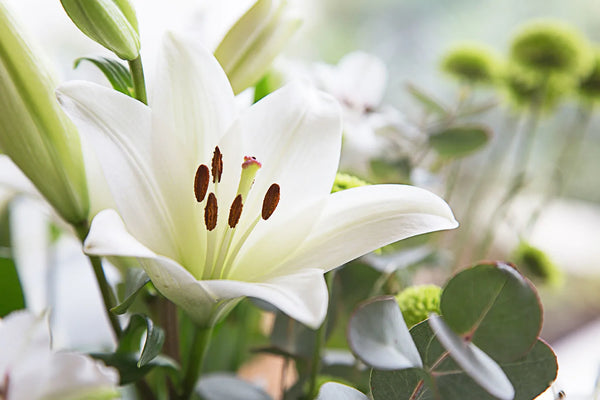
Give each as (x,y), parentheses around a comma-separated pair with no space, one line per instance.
(201,181)
(217,165)
(235,212)
(210,212)
(270,201)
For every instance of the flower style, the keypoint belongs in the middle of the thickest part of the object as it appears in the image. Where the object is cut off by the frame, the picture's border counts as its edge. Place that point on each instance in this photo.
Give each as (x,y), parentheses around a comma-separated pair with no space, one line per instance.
(358,82)
(217,206)
(30,370)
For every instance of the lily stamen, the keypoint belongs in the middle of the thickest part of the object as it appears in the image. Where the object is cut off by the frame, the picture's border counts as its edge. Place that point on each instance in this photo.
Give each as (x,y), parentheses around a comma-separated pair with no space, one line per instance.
(270,201)
(211,212)
(235,212)
(217,165)
(201,181)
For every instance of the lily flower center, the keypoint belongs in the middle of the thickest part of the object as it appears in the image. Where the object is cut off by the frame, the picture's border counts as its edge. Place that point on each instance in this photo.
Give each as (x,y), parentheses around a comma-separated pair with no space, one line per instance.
(220,251)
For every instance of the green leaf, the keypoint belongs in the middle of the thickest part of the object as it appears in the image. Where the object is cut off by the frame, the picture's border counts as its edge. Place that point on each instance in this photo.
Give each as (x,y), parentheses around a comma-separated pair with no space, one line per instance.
(401,384)
(117,74)
(494,306)
(10,287)
(459,141)
(135,280)
(152,343)
(127,365)
(390,346)
(430,104)
(292,338)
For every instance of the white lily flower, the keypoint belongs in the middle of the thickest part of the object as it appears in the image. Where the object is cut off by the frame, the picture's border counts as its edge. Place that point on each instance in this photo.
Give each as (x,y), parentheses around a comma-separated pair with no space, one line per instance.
(358,82)
(30,370)
(217,206)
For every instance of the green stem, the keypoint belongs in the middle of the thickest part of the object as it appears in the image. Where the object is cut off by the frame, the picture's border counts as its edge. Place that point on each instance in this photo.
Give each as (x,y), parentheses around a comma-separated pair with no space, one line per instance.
(139,83)
(320,343)
(193,370)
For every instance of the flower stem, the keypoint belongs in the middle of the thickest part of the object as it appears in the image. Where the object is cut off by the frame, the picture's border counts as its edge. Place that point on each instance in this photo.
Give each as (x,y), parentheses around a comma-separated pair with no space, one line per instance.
(139,83)
(320,343)
(193,369)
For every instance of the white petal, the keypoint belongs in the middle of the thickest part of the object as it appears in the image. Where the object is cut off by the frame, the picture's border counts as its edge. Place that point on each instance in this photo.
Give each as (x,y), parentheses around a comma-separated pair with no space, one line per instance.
(362,79)
(302,295)
(296,134)
(192,98)
(119,128)
(22,333)
(359,220)
(337,391)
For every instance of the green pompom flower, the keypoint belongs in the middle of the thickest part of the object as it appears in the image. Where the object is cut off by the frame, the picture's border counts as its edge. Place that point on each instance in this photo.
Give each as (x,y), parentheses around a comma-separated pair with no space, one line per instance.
(525,89)
(417,302)
(345,181)
(589,85)
(537,265)
(472,63)
(548,47)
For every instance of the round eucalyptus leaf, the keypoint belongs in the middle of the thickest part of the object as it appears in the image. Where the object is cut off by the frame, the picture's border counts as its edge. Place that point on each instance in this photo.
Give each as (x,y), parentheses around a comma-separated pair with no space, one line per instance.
(459,141)
(473,361)
(378,335)
(496,308)
(337,391)
(401,384)
(219,386)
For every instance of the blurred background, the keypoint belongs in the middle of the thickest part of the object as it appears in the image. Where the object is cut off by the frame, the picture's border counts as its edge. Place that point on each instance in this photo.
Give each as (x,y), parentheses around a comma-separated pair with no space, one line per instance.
(411,38)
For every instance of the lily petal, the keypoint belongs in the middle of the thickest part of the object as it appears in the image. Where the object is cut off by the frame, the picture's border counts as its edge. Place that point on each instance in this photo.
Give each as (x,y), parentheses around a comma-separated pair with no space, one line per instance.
(119,128)
(359,220)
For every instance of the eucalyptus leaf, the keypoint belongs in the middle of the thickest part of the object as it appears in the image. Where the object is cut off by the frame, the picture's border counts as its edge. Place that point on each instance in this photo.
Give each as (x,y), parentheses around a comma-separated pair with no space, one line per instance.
(152,343)
(409,383)
(459,141)
(117,74)
(337,391)
(378,335)
(426,100)
(496,307)
(10,287)
(474,362)
(219,386)
(290,337)
(134,282)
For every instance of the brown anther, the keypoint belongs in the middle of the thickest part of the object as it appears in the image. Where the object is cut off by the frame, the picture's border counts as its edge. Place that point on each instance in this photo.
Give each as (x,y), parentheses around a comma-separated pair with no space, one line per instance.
(235,212)
(201,182)
(211,212)
(217,165)
(270,202)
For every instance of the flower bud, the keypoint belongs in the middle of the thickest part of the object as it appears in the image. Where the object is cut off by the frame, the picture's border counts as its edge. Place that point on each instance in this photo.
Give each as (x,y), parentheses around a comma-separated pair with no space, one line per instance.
(34,131)
(536,265)
(252,43)
(589,85)
(417,302)
(346,181)
(471,63)
(112,23)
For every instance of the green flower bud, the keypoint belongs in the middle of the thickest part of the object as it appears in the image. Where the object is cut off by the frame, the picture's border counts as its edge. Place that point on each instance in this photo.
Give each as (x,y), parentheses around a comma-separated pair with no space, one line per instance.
(417,302)
(345,181)
(535,264)
(589,85)
(250,46)
(34,131)
(525,89)
(112,23)
(472,63)
(549,47)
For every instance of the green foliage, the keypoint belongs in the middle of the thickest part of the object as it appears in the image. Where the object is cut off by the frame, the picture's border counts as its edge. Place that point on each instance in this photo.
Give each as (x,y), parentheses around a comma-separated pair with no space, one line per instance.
(10,287)
(459,141)
(135,280)
(537,265)
(346,181)
(589,85)
(472,63)
(547,47)
(417,302)
(117,74)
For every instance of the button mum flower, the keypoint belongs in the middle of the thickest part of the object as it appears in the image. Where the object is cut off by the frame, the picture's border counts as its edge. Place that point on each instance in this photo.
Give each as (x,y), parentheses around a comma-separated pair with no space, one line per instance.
(217,206)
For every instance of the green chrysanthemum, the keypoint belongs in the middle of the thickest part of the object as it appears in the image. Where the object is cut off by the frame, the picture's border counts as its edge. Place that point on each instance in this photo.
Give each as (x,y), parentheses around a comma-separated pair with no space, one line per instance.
(472,63)
(345,181)
(589,85)
(537,265)
(548,47)
(525,89)
(417,302)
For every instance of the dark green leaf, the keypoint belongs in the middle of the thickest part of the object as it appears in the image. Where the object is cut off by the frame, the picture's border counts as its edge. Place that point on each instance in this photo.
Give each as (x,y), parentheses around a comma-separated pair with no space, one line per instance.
(152,343)
(430,104)
(459,141)
(401,384)
(135,280)
(291,337)
(496,307)
(127,365)
(117,74)
(10,287)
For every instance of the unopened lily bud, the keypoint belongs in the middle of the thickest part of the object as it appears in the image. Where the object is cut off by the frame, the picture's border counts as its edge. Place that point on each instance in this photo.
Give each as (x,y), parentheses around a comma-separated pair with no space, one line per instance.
(34,131)
(112,23)
(250,46)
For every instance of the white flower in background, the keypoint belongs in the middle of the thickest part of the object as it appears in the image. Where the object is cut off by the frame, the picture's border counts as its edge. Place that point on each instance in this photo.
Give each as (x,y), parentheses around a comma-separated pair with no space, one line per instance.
(30,370)
(371,129)
(217,205)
